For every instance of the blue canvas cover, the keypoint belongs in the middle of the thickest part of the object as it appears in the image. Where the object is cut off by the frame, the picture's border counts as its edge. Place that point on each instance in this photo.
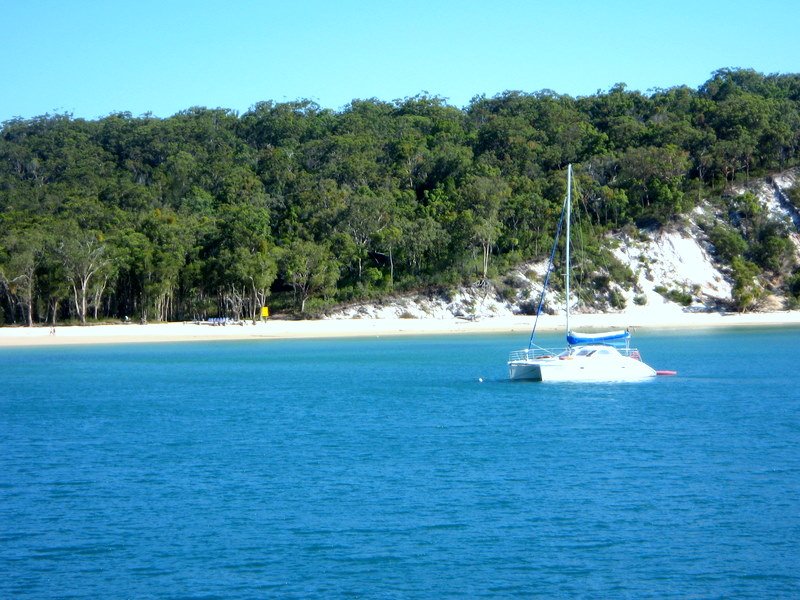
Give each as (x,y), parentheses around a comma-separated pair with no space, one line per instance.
(608,337)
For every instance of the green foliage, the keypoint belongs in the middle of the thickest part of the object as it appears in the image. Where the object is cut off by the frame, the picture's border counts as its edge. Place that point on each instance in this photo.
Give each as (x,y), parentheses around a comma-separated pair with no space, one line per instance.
(774,252)
(793,287)
(679,296)
(747,292)
(207,212)
(728,243)
(310,269)
(753,238)
(793,193)
(616,299)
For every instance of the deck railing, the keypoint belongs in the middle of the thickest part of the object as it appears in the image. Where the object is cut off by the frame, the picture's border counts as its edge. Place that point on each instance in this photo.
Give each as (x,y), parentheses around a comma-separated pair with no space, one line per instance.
(538,353)
(532,354)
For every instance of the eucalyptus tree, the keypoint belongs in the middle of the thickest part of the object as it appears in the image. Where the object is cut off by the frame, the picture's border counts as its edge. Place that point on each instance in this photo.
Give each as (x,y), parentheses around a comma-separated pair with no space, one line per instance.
(526,217)
(366,214)
(354,154)
(481,198)
(653,179)
(86,263)
(52,282)
(506,132)
(241,263)
(161,254)
(401,208)
(310,269)
(22,255)
(423,246)
(620,114)
(430,143)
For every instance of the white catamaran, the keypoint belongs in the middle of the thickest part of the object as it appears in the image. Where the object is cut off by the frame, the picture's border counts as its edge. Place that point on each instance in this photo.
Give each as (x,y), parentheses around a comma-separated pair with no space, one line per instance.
(589,357)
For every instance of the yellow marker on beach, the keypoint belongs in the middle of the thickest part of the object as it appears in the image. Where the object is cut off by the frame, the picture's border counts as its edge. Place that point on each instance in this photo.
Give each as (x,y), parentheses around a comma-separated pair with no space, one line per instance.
(264,312)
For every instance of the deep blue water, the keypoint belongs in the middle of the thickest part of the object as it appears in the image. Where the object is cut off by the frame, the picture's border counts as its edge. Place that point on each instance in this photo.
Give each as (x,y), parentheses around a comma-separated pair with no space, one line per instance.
(385,468)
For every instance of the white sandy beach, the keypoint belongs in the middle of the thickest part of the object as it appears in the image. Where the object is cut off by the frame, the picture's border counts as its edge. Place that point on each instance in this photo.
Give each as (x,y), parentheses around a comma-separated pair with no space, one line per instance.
(642,320)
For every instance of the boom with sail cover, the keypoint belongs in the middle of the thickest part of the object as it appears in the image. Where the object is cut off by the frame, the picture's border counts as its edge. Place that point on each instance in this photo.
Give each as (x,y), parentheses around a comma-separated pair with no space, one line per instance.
(607,337)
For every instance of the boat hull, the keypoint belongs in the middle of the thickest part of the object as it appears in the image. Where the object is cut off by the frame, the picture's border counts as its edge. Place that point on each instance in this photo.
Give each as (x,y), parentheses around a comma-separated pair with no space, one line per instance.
(560,369)
(529,371)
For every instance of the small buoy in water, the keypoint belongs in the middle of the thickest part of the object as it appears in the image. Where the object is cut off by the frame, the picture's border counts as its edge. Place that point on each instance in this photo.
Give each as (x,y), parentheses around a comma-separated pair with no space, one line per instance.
(480,379)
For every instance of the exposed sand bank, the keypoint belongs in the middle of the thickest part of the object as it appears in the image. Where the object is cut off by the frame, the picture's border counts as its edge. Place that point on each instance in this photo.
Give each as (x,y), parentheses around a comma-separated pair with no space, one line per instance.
(333,328)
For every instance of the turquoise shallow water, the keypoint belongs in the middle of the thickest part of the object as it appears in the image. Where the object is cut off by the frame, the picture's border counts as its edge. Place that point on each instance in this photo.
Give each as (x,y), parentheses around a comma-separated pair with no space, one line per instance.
(385,468)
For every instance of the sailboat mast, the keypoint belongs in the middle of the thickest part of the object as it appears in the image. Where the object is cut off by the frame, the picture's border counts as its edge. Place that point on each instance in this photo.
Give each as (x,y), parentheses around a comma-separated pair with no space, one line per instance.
(569,209)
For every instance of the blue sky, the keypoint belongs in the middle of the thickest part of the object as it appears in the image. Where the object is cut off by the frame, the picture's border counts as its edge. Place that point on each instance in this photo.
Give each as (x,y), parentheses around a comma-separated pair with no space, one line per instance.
(94,57)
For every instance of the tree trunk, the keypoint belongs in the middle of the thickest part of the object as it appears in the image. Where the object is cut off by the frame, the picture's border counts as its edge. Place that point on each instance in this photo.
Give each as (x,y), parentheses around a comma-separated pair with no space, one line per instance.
(84,301)
(54,311)
(76,297)
(391,268)
(98,295)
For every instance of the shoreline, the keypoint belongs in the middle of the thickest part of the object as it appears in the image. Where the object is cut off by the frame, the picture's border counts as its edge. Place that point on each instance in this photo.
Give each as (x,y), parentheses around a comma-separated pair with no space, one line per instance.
(11,337)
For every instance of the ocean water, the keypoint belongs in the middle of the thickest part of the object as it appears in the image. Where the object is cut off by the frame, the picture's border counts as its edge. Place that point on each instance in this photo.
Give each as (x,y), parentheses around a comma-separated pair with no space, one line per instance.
(398,468)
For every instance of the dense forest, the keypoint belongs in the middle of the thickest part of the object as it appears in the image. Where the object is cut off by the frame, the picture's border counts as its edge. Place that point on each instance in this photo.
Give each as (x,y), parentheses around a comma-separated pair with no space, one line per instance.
(212,213)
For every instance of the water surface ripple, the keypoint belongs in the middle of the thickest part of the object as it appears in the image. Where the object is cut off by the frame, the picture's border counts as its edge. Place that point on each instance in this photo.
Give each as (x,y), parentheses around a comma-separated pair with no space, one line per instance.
(398,468)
